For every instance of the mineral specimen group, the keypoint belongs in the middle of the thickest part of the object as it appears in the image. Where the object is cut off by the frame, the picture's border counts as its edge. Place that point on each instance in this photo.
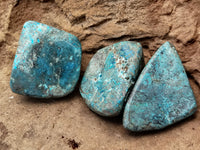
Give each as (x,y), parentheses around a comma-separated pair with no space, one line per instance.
(162,94)
(47,65)
(47,62)
(110,76)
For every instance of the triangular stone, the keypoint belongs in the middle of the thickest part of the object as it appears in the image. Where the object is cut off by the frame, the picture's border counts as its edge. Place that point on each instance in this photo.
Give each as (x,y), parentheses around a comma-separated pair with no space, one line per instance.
(162,94)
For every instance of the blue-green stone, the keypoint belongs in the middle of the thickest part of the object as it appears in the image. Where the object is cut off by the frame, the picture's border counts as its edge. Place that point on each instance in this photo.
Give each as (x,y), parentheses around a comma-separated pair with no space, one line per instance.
(47,62)
(110,75)
(162,94)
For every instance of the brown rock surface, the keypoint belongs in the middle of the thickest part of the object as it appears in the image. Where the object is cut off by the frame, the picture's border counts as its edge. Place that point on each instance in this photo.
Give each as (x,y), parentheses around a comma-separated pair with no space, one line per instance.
(27,123)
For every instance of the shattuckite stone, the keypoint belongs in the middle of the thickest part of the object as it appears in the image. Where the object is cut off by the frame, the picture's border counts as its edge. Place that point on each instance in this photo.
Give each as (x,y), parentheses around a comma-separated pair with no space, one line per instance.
(162,94)
(47,62)
(110,76)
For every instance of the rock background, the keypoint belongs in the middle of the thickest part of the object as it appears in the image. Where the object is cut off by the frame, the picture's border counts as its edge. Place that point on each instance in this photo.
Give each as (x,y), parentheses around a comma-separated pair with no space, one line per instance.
(34,124)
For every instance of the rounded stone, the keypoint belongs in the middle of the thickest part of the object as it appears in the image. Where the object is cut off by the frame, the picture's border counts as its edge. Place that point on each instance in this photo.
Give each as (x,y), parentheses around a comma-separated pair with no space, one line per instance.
(47,62)
(110,76)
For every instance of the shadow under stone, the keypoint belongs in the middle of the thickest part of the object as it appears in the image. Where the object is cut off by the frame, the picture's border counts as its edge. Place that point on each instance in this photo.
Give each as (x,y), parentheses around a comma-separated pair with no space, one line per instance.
(166,129)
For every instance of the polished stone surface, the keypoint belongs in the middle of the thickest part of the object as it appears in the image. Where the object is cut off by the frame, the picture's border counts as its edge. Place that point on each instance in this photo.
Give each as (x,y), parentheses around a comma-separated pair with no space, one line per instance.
(110,76)
(47,62)
(162,94)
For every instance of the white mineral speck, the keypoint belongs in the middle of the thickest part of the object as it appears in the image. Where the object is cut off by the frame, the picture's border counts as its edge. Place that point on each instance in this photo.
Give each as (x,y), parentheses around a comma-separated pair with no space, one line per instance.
(71,57)
(11,97)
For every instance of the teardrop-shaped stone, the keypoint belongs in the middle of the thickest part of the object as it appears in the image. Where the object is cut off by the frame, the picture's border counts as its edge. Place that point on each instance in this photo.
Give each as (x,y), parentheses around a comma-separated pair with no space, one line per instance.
(110,75)
(162,94)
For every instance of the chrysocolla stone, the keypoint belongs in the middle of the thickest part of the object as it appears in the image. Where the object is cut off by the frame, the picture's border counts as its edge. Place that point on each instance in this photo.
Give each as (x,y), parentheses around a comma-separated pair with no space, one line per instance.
(47,62)
(162,94)
(110,76)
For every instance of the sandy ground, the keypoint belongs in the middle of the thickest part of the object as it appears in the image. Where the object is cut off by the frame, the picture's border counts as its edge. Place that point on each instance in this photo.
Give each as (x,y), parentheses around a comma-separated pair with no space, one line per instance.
(67,123)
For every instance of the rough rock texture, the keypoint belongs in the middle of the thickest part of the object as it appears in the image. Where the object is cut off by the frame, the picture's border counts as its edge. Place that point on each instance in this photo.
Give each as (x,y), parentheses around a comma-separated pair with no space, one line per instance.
(110,76)
(47,62)
(28,123)
(162,94)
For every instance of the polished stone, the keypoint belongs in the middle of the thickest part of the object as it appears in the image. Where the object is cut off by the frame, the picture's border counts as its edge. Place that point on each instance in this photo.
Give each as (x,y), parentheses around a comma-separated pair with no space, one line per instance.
(47,62)
(110,75)
(162,94)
